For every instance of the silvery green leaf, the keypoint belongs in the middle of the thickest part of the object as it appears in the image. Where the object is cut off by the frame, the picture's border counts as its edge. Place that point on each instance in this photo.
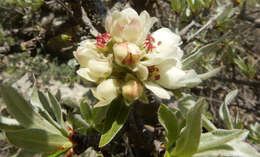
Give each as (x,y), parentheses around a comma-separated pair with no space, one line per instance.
(87,112)
(56,108)
(208,124)
(210,74)
(188,142)
(178,5)
(226,12)
(235,148)
(224,111)
(195,57)
(230,96)
(255,132)
(169,121)
(217,138)
(115,119)
(58,113)
(34,99)
(9,124)
(45,103)
(37,140)
(23,112)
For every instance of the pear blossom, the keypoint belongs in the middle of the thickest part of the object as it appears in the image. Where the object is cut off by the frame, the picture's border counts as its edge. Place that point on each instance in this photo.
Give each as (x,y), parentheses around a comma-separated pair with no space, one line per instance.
(106,92)
(127,25)
(94,66)
(127,53)
(128,58)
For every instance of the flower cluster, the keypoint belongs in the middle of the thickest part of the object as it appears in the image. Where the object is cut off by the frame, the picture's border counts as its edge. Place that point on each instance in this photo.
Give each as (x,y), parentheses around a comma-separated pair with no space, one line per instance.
(128,58)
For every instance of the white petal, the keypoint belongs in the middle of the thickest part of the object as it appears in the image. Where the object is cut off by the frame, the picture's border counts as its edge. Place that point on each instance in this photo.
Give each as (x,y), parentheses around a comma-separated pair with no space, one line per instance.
(86,51)
(167,43)
(157,90)
(84,73)
(141,72)
(132,30)
(147,23)
(106,91)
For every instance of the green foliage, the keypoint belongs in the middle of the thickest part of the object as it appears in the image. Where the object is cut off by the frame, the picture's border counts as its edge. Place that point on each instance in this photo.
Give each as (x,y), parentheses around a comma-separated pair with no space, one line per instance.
(115,119)
(171,127)
(248,69)
(33,4)
(37,140)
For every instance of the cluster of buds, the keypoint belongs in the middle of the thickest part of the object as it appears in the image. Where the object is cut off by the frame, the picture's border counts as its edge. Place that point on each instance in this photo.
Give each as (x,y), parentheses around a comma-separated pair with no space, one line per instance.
(152,60)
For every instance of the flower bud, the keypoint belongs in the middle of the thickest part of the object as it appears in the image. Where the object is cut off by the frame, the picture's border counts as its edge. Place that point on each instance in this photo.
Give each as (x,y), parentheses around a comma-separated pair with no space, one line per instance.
(106,91)
(85,52)
(132,90)
(127,53)
(96,70)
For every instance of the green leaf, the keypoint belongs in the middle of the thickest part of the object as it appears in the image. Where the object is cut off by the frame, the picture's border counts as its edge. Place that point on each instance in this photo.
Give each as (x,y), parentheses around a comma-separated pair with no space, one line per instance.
(116,117)
(208,124)
(178,5)
(56,108)
(224,111)
(188,142)
(219,137)
(86,112)
(169,121)
(45,103)
(9,124)
(234,148)
(203,51)
(37,140)
(23,111)
(255,132)
(210,74)
(167,154)
(34,99)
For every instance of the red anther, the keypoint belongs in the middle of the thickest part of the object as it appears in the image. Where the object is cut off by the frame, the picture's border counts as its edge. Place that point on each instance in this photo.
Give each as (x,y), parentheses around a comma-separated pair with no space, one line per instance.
(151,69)
(103,39)
(149,43)
(157,77)
(69,153)
(159,43)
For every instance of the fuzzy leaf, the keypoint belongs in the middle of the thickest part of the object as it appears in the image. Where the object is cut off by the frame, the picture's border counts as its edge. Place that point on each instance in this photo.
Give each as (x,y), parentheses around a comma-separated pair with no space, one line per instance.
(23,111)
(188,142)
(9,124)
(116,117)
(37,140)
(224,111)
(169,121)
(219,137)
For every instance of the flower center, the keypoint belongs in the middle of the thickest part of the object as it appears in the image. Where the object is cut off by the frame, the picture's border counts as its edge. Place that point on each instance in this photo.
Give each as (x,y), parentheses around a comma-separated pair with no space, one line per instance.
(103,39)
(149,42)
(154,73)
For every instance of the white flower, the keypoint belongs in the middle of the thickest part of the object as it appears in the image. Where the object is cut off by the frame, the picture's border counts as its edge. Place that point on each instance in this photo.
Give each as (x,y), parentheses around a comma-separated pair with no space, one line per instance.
(127,25)
(127,53)
(96,70)
(166,46)
(163,64)
(86,51)
(106,92)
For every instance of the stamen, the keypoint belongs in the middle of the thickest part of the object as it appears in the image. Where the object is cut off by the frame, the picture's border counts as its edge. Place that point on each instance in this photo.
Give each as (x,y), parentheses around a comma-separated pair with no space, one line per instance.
(103,39)
(149,43)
